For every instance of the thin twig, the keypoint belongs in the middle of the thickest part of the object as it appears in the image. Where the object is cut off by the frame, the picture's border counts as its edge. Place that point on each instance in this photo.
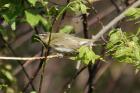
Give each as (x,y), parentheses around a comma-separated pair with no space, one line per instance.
(116,6)
(92,68)
(96,12)
(55,3)
(85,25)
(13,52)
(70,82)
(43,64)
(26,63)
(114,21)
(62,18)
(92,73)
(100,16)
(40,65)
(28,58)
(36,72)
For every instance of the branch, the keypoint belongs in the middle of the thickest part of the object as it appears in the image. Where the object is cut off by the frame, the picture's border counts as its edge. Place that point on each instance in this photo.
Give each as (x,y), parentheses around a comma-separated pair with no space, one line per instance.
(13,52)
(96,12)
(114,21)
(25,64)
(29,58)
(69,83)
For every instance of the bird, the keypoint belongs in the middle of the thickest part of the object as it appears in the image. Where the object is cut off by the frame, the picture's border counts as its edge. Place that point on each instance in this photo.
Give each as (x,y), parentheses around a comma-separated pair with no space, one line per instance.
(65,43)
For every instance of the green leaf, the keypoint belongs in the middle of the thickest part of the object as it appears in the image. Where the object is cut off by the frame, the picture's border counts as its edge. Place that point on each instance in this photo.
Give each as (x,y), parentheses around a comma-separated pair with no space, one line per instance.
(3,2)
(12,12)
(33,92)
(3,86)
(86,55)
(31,18)
(54,11)
(115,37)
(128,51)
(131,12)
(138,32)
(67,29)
(8,75)
(45,24)
(61,11)
(33,2)
(82,50)
(83,8)
(13,26)
(75,7)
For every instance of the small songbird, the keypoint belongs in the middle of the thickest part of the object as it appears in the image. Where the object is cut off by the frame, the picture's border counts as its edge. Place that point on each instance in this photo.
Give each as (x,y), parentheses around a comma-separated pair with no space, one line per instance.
(65,43)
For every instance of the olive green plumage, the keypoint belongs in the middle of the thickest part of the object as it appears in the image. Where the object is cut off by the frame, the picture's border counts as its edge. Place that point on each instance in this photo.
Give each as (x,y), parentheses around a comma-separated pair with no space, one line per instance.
(62,42)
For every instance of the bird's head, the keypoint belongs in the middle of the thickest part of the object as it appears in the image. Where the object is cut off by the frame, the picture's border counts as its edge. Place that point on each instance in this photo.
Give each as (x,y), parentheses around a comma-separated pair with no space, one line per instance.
(44,37)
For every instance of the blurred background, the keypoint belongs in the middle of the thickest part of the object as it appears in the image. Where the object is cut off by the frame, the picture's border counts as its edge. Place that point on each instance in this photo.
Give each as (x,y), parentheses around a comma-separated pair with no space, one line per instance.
(111,76)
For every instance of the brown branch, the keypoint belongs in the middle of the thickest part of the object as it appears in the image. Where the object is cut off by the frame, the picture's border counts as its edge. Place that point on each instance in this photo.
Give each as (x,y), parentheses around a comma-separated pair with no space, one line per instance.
(92,68)
(114,22)
(13,52)
(62,18)
(69,83)
(25,64)
(118,7)
(29,58)
(42,63)
(96,12)
(101,15)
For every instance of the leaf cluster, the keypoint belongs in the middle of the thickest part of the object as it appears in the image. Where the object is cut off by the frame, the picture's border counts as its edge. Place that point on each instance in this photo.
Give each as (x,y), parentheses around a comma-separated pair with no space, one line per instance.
(76,6)
(86,55)
(124,47)
(133,13)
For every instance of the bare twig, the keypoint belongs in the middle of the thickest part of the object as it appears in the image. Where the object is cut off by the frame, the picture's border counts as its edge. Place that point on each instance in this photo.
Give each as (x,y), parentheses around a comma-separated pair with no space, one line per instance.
(13,52)
(119,9)
(92,68)
(36,72)
(96,12)
(114,21)
(43,64)
(26,63)
(29,58)
(54,3)
(101,15)
(68,84)
(62,18)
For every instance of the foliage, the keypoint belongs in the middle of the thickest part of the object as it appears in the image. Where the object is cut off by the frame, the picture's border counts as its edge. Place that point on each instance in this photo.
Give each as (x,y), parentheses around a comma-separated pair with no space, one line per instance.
(67,29)
(35,13)
(17,11)
(124,48)
(7,80)
(121,46)
(77,6)
(86,55)
(133,13)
